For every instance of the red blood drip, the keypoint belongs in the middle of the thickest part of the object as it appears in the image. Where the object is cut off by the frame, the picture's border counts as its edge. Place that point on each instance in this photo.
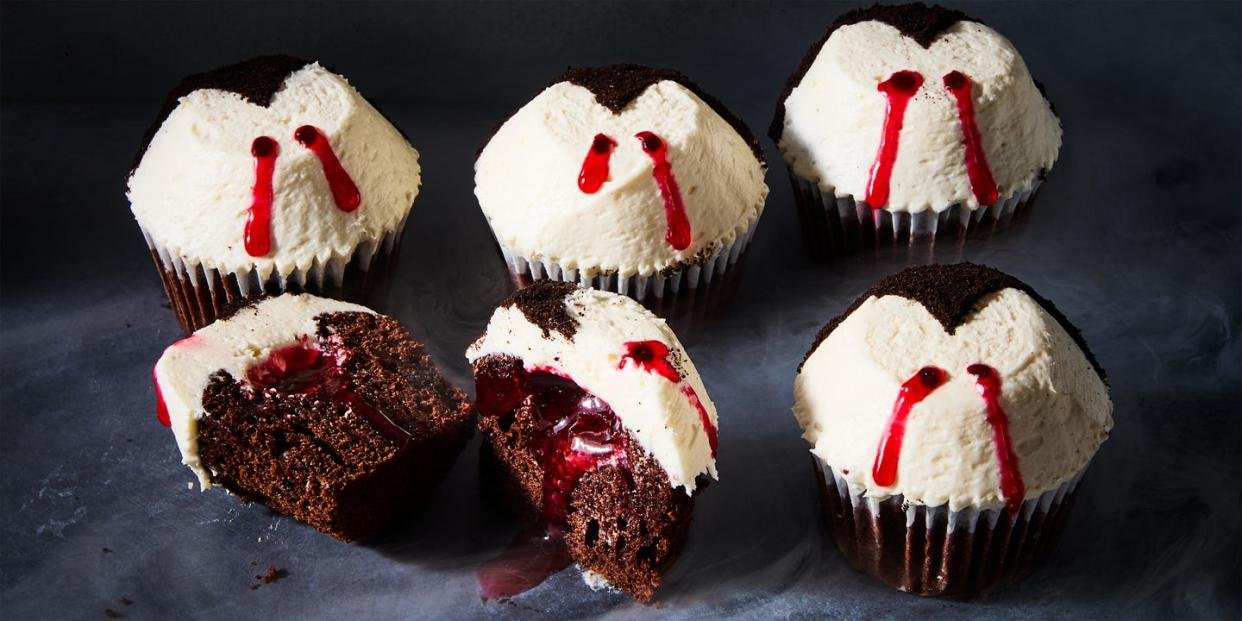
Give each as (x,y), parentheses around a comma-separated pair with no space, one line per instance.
(976,160)
(534,554)
(344,192)
(988,383)
(678,235)
(914,390)
(595,167)
(650,356)
(303,369)
(708,427)
(574,432)
(161,408)
(898,88)
(258,237)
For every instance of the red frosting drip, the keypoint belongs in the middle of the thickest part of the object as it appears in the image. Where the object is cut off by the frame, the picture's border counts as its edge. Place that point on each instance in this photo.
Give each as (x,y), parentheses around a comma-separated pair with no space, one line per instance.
(898,88)
(976,160)
(650,356)
(595,166)
(988,382)
(708,427)
(678,235)
(914,390)
(344,192)
(258,236)
(534,554)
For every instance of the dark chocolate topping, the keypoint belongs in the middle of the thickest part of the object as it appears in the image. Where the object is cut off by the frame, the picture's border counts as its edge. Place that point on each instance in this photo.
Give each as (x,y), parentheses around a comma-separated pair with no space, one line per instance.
(617,86)
(951,292)
(543,304)
(257,81)
(918,21)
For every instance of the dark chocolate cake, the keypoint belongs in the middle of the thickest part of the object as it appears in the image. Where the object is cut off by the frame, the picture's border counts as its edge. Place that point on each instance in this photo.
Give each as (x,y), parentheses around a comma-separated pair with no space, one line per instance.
(345,429)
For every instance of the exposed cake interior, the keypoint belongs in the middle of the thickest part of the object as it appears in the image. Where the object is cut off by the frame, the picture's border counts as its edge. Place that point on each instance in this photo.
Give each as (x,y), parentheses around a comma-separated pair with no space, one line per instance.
(344,428)
(568,465)
(598,429)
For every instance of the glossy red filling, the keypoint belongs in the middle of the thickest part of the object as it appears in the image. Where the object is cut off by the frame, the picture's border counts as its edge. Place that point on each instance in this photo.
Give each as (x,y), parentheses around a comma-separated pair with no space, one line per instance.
(305,369)
(573,433)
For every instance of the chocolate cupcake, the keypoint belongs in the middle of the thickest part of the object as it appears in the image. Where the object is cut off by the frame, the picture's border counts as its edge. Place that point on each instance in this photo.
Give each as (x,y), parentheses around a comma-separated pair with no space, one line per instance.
(598,430)
(267,176)
(623,178)
(319,409)
(952,412)
(909,121)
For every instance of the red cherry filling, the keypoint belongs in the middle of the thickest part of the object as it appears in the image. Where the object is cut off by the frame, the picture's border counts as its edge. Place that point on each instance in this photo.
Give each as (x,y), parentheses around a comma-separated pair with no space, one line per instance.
(305,369)
(573,432)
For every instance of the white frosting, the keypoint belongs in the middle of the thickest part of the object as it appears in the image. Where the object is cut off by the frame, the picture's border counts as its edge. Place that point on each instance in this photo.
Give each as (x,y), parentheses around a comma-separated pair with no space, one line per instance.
(1058,407)
(834,118)
(232,345)
(526,180)
(192,191)
(653,409)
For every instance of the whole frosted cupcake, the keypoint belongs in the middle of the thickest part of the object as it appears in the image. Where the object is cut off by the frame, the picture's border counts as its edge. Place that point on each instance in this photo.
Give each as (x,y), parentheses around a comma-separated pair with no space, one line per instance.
(273,174)
(625,178)
(951,413)
(908,121)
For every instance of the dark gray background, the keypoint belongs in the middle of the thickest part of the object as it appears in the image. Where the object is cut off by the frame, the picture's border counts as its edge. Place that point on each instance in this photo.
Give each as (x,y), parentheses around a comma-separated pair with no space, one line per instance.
(1136,237)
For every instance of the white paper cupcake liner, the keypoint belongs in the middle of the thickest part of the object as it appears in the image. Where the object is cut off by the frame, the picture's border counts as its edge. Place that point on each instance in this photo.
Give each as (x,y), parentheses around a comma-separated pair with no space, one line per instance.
(934,550)
(839,225)
(657,287)
(198,293)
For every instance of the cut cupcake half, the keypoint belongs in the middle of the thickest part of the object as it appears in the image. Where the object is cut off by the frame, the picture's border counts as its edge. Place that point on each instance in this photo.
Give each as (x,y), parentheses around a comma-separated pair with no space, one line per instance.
(319,409)
(598,430)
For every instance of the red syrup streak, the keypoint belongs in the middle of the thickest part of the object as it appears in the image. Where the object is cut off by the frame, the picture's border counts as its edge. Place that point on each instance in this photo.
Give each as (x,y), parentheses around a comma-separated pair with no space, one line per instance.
(303,369)
(678,235)
(574,432)
(898,88)
(914,390)
(344,192)
(258,237)
(161,408)
(988,383)
(652,357)
(595,167)
(977,169)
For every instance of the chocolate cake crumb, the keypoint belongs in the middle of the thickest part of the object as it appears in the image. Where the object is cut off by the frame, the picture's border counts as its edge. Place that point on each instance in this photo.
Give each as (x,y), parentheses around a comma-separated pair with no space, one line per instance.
(920,22)
(107,550)
(273,574)
(616,86)
(950,292)
(543,304)
(126,601)
(112,614)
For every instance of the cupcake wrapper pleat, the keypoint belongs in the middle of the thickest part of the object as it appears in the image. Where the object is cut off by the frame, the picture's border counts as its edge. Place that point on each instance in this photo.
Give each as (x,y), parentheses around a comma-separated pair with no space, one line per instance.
(655,287)
(198,294)
(934,551)
(841,225)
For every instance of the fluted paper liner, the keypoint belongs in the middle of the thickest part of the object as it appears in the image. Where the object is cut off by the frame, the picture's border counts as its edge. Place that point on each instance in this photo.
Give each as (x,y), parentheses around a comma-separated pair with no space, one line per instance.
(934,551)
(838,225)
(198,294)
